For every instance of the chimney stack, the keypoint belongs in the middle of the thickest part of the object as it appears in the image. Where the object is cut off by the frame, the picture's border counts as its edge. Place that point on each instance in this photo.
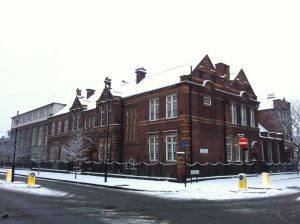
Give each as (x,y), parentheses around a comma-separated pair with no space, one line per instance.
(140,74)
(78,92)
(223,70)
(89,93)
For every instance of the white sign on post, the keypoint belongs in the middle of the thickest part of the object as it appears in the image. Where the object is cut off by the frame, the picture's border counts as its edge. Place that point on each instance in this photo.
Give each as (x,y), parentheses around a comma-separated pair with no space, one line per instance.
(195,172)
(203,151)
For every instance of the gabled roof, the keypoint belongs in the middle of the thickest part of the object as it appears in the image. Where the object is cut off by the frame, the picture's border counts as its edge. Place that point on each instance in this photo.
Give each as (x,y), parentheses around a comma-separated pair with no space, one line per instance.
(241,77)
(76,104)
(206,64)
(79,102)
(241,83)
(104,95)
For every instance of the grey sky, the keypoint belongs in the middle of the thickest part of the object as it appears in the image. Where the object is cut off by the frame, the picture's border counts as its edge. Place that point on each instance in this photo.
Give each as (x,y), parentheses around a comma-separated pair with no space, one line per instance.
(49,48)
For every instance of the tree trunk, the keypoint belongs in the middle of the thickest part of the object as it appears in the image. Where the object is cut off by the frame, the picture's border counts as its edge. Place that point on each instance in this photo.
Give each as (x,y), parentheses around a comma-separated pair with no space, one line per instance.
(76,164)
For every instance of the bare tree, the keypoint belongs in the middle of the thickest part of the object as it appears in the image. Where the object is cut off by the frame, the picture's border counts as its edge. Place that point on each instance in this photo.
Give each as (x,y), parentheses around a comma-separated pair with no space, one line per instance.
(288,122)
(6,150)
(73,150)
(37,155)
(295,115)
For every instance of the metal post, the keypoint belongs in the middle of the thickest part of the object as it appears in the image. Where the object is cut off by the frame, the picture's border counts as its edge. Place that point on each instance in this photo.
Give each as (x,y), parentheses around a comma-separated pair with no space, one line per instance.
(244,165)
(15,147)
(107,84)
(185,169)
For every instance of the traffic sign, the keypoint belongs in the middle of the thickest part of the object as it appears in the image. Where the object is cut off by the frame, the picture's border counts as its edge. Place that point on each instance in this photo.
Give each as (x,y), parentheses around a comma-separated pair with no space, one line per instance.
(184,145)
(243,143)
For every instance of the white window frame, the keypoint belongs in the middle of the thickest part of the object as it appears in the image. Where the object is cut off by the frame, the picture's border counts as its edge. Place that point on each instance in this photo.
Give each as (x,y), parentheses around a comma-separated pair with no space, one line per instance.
(246,155)
(262,152)
(243,115)
(233,113)
(171,147)
(154,109)
(59,127)
(171,106)
(102,114)
(278,151)
(229,149)
(153,142)
(252,118)
(66,125)
(270,153)
(206,100)
(102,151)
(53,128)
(86,122)
(237,153)
(93,121)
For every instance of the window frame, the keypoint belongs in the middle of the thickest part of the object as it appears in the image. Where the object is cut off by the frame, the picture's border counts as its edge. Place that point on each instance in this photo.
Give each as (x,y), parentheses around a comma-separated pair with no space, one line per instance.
(243,115)
(172,106)
(102,115)
(237,151)
(252,118)
(153,148)
(154,109)
(207,100)
(229,143)
(233,113)
(173,147)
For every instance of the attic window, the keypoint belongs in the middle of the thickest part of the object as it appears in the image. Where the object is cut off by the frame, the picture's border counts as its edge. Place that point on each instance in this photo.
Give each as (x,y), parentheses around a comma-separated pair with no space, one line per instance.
(207,100)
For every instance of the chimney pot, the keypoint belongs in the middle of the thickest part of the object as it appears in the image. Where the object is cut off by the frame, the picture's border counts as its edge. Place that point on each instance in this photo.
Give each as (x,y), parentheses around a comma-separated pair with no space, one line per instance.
(140,74)
(89,93)
(78,92)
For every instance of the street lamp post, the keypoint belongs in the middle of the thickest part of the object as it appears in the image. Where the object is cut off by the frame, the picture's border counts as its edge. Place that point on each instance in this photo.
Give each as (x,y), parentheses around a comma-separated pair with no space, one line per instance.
(15,147)
(107,82)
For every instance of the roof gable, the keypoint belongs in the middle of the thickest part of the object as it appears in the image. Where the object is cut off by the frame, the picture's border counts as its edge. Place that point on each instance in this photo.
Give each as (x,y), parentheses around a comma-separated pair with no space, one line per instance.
(241,77)
(76,104)
(206,65)
(104,96)
(241,83)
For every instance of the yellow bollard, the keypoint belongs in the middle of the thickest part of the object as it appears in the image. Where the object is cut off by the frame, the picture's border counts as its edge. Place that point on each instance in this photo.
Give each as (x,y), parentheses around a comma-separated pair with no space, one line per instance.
(8,175)
(31,179)
(242,181)
(265,177)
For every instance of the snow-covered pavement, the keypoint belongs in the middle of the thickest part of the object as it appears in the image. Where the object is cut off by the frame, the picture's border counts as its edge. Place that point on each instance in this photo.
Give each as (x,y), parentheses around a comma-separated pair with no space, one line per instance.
(218,189)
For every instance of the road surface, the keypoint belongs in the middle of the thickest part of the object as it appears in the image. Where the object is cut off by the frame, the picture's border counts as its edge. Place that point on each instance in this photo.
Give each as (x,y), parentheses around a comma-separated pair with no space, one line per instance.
(88,204)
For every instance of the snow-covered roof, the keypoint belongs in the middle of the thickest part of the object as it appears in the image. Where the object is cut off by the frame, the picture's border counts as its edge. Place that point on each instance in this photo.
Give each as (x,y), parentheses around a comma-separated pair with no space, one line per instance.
(262,128)
(90,103)
(266,104)
(153,81)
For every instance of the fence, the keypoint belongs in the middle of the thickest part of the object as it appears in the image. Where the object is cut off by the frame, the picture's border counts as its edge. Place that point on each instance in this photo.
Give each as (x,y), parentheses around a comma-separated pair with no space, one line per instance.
(220,169)
(160,169)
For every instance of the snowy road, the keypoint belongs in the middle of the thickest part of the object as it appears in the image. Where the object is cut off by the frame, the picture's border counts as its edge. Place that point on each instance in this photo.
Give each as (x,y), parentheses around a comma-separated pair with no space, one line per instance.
(217,189)
(75,203)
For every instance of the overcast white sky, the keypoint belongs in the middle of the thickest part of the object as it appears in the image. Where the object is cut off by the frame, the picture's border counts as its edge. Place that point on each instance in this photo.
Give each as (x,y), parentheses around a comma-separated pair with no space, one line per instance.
(49,48)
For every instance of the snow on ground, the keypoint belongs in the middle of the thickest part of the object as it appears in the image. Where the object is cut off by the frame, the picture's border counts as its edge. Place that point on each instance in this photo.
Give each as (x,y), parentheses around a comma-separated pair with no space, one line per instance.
(22,187)
(218,189)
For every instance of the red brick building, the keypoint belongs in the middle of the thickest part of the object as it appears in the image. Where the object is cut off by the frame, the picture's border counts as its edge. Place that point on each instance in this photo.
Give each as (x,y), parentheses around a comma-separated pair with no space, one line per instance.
(199,109)
(276,130)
